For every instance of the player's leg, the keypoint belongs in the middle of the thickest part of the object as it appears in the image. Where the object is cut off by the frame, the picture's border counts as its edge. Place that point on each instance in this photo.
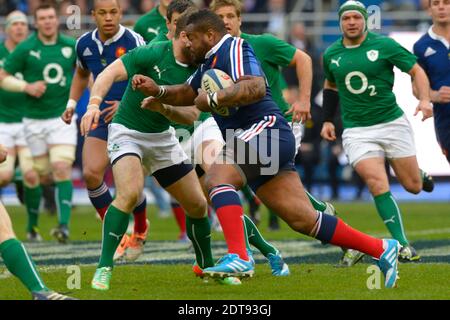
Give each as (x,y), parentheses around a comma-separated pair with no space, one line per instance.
(7,167)
(301,217)
(20,264)
(129,181)
(62,157)
(95,161)
(32,192)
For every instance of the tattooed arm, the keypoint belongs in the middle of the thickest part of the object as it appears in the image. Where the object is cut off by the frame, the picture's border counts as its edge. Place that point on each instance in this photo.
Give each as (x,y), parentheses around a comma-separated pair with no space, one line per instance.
(248,90)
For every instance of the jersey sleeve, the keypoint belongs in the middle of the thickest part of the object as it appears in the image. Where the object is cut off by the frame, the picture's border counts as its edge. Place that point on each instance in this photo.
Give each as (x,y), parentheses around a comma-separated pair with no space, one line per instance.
(137,59)
(243,60)
(326,68)
(16,61)
(419,54)
(195,79)
(79,52)
(399,56)
(279,52)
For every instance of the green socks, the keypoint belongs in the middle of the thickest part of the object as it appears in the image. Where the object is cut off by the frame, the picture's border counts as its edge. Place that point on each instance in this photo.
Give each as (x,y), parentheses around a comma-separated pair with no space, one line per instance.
(63,197)
(256,239)
(114,227)
(19,263)
(317,204)
(390,213)
(199,232)
(32,198)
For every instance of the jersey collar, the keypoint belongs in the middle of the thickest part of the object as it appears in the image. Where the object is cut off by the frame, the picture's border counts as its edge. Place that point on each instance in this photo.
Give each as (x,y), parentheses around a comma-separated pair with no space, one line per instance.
(217,46)
(437,37)
(115,38)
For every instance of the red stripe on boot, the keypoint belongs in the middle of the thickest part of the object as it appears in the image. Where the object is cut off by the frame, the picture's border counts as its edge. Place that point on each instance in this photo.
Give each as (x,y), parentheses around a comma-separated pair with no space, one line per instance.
(231,218)
(347,237)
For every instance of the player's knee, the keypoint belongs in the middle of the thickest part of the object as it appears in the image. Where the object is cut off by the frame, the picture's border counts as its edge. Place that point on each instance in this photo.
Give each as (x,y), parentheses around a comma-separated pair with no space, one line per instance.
(377,186)
(92,177)
(198,207)
(31,178)
(6,232)
(414,185)
(5,178)
(128,199)
(61,170)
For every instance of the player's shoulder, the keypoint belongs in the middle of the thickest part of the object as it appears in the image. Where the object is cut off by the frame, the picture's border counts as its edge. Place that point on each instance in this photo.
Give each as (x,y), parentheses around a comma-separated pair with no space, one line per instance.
(66,40)
(381,40)
(133,37)
(152,14)
(333,49)
(84,40)
(29,43)
(421,45)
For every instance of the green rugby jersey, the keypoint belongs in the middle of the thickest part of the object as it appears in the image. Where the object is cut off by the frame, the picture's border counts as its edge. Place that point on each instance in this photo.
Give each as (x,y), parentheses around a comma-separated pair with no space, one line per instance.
(52,63)
(160,37)
(151,24)
(156,61)
(12,104)
(364,76)
(273,54)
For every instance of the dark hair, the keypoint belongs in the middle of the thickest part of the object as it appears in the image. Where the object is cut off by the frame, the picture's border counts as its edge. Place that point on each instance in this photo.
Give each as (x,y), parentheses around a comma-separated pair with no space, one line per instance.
(44,6)
(96,1)
(183,19)
(204,20)
(178,6)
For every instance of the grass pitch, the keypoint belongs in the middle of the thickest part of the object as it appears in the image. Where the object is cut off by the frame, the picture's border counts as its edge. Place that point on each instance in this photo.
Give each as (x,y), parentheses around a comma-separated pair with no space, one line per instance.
(164,271)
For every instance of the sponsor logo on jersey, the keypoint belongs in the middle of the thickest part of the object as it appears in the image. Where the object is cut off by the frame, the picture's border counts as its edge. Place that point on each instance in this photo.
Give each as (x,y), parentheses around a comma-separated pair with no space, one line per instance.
(429,52)
(336,62)
(158,71)
(36,54)
(372,55)
(66,52)
(152,30)
(120,51)
(87,52)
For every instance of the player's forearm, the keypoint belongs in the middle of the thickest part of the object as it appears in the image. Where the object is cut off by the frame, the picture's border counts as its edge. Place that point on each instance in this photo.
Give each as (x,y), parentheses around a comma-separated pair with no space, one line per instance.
(80,82)
(420,83)
(113,73)
(181,115)
(10,83)
(178,95)
(304,69)
(242,93)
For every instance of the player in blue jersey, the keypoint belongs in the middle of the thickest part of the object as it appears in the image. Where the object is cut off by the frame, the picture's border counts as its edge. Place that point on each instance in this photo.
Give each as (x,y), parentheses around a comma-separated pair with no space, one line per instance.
(433,52)
(95,51)
(259,150)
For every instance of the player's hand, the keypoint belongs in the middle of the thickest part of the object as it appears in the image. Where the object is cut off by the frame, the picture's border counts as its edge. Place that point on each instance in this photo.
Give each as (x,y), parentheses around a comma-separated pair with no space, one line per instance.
(3,153)
(144,84)
(89,121)
(442,95)
(152,104)
(201,101)
(67,115)
(328,131)
(426,108)
(109,112)
(36,89)
(301,111)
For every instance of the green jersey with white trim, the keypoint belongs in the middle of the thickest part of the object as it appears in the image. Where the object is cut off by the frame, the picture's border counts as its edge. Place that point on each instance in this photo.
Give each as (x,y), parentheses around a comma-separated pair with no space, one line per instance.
(151,24)
(53,63)
(364,76)
(12,104)
(273,54)
(156,61)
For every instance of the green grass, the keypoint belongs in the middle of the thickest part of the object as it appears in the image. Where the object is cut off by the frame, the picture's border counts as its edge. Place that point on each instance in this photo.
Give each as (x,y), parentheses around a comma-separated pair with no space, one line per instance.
(313,277)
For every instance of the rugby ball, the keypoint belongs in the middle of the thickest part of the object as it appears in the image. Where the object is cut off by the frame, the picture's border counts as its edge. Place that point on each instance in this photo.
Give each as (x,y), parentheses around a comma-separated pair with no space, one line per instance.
(214,80)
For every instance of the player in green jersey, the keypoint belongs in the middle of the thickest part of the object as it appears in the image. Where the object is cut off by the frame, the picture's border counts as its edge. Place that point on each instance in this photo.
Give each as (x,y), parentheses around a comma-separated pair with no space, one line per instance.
(12,135)
(46,60)
(139,137)
(273,54)
(154,22)
(359,76)
(14,254)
